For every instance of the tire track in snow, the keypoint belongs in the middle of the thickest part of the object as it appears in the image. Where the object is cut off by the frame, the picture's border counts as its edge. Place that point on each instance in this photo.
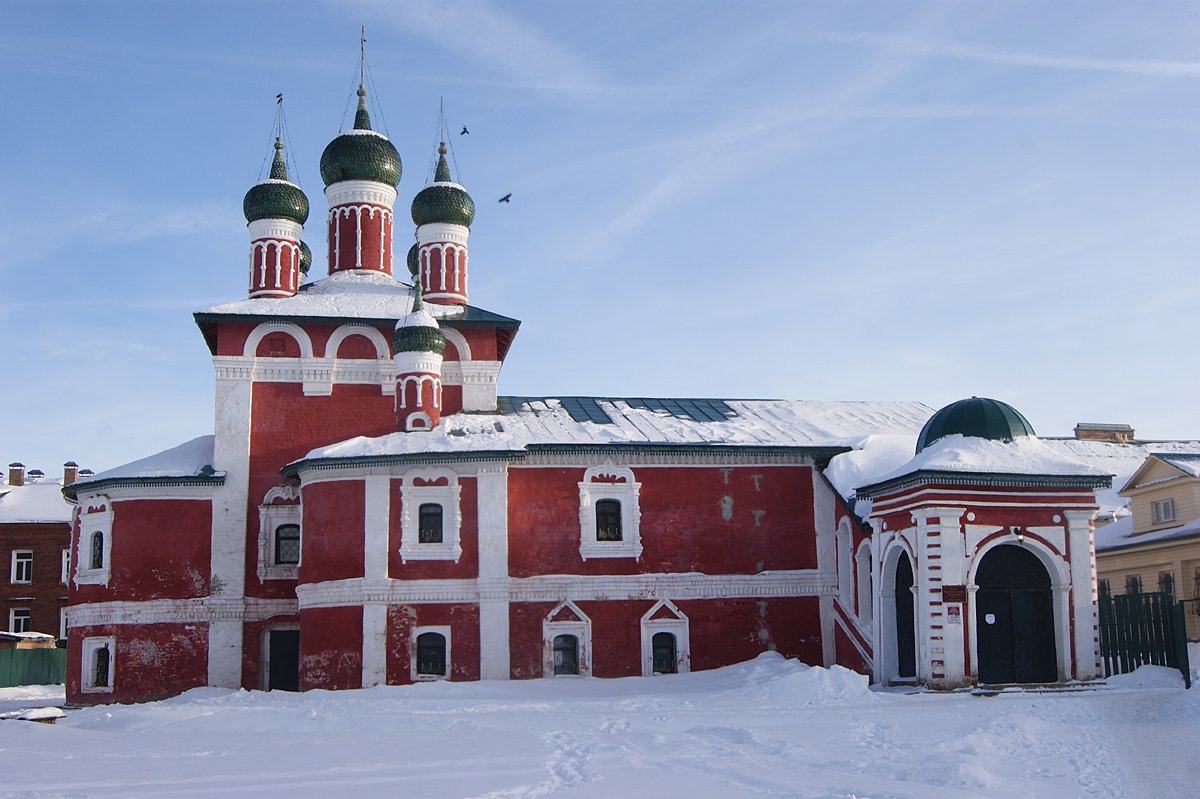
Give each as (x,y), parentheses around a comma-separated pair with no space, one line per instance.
(566,765)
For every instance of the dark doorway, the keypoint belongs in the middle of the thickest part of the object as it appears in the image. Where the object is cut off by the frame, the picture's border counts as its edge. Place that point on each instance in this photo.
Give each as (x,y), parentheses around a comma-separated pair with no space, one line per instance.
(665,658)
(906,633)
(1014,618)
(431,655)
(283,660)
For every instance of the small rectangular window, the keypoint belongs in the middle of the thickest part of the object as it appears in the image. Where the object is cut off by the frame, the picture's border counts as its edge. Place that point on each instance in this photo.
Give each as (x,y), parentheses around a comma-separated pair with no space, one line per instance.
(1166,582)
(66,567)
(608,520)
(429,529)
(1164,511)
(22,566)
(287,544)
(18,620)
(1133,583)
(1105,588)
(62,624)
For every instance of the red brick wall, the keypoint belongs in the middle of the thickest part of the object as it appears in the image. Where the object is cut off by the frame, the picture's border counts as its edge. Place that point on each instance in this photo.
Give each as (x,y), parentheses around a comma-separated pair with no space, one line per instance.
(46,594)
(152,661)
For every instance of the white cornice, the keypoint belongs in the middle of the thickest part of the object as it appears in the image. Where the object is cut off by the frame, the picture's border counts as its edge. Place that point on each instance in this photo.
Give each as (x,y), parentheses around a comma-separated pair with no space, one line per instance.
(284,229)
(442,233)
(361,191)
(553,588)
(178,611)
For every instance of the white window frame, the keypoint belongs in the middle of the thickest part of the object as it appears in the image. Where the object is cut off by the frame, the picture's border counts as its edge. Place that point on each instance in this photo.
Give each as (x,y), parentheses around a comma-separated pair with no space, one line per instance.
(412,497)
(26,617)
(65,574)
(1163,510)
(678,626)
(21,572)
(444,631)
(62,624)
(610,482)
(280,506)
(87,665)
(581,628)
(90,523)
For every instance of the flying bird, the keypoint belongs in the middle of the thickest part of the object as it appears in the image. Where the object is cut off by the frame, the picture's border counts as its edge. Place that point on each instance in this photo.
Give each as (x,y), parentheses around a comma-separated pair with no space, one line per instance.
(505,198)
(464,131)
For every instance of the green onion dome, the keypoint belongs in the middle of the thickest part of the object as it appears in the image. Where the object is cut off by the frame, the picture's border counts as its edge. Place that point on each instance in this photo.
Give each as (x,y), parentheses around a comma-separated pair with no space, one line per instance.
(276,197)
(418,331)
(305,259)
(978,417)
(414,259)
(361,153)
(444,200)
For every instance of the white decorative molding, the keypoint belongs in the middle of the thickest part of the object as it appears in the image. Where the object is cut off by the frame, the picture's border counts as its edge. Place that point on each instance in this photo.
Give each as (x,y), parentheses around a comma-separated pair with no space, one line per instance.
(671,456)
(94,521)
(279,507)
(457,339)
(383,350)
(609,481)
(179,611)
(89,652)
(412,497)
(580,587)
(580,626)
(675,623)
(285,229)
(361,191)
(437,232)
(262,331)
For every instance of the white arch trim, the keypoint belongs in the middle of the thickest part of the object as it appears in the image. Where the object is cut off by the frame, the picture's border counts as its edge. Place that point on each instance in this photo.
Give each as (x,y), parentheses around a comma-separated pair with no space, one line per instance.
(262,331)
(382,350)
(459,341)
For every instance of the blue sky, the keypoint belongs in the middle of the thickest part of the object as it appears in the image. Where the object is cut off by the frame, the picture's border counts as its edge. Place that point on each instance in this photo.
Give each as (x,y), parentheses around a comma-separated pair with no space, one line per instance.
(887,200)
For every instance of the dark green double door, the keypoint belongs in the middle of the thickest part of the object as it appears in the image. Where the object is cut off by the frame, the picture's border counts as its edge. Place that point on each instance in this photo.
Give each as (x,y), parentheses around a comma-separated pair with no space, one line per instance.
(1014,618)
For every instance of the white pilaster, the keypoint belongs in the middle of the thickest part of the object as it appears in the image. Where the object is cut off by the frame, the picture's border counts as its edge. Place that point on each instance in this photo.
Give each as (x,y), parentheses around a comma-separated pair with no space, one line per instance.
(492,486)
(942,553)
(825,523)
(1083,592)
(374,655)
(376,507)
(227,571)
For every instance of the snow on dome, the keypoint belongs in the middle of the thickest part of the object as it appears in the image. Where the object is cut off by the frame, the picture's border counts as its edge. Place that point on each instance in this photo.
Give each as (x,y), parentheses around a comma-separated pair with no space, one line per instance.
(190,459)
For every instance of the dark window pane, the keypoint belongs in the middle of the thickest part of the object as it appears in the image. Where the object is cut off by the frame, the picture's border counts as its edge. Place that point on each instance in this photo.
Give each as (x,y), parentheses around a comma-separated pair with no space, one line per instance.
(566,654)
(1166,583)
(1105,589)
(97,551)
(608,520)
(1133,584)
(663,645)
(429,530)
(287,544)
(100,668)
(431,654)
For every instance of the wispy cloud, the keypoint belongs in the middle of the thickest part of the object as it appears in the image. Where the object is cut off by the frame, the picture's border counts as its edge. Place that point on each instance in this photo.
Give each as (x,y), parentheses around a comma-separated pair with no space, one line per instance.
(502,45)
(910,46)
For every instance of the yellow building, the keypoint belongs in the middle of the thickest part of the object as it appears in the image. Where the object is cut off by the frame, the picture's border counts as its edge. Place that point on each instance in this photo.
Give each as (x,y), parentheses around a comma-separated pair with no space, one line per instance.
(1156,547)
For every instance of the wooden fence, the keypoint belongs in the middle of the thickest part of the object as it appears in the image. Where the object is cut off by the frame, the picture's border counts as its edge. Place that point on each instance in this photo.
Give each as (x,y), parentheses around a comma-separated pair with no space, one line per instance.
(1141,630)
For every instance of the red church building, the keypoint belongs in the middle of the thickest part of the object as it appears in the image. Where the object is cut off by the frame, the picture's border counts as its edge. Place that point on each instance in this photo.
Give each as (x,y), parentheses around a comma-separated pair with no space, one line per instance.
(370,511)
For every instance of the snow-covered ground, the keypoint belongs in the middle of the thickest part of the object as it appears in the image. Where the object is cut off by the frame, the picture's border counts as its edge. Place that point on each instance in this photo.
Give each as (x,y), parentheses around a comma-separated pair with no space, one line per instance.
(770,727)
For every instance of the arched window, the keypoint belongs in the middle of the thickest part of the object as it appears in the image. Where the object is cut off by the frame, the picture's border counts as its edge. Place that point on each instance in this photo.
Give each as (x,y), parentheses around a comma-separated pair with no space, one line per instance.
(866,589)
(566,654)
(100,663)
(431,655)
(665,660)
(429,529)
(287,544)
(97,559)
(608,520)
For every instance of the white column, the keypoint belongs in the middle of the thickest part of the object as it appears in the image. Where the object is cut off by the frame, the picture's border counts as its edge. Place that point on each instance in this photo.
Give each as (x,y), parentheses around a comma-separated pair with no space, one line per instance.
(377,511)
(825,524)
(227,570)
(1083,593)
(492,486)
(946,550)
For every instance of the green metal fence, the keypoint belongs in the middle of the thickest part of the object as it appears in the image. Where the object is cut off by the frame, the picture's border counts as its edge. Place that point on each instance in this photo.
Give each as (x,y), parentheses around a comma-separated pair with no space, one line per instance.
(1143,629)
(32,667)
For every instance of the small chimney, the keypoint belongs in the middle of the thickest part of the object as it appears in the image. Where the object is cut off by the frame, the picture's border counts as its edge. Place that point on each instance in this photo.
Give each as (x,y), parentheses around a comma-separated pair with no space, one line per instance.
(1112,433)
(16,474)
(35,475)
(86,473)
(70,472)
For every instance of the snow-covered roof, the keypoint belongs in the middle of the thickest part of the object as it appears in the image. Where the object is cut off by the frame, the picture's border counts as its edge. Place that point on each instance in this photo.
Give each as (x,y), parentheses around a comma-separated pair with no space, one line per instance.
(38,501)
(191,459)
(522,422)
(1119,534)
(1188,463)
(882,458)
(350,295)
